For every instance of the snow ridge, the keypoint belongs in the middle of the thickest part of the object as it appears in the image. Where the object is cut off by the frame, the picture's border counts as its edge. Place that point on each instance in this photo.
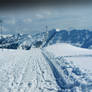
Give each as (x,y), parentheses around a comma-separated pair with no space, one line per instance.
(68,77)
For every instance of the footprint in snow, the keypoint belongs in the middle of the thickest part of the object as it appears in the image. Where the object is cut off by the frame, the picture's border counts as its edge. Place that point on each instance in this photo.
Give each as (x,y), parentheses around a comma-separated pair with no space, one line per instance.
(29,84)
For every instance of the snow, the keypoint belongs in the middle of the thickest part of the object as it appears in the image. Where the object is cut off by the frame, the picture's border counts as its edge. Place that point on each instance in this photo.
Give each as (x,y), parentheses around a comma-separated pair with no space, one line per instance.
(73,61)
(64,49)
(56,68)
(8,35)
(83,62)
(25,71)
(68,76)
(58,30)
(79,56)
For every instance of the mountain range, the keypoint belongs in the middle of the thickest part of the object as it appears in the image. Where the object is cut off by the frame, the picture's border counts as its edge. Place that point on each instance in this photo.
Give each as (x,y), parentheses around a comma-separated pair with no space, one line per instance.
(79,38)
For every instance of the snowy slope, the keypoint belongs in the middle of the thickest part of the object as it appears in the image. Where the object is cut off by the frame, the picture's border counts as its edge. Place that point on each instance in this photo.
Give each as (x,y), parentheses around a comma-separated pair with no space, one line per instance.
(25,71)
(44,70)
(64,49)
(74,64)
(78,56)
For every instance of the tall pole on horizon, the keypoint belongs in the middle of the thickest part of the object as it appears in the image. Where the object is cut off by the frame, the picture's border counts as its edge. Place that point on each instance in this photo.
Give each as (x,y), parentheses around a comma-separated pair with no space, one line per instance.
(46,28)
(1,33)
(46,33)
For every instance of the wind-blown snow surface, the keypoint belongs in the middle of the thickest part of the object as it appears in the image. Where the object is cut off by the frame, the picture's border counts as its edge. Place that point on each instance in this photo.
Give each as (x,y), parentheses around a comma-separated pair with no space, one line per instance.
(44,70)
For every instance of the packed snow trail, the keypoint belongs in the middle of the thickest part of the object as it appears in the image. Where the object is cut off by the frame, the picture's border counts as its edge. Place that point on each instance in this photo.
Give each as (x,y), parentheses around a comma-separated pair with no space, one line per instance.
(38,76)
(37,70)
(26,71)
(12,65)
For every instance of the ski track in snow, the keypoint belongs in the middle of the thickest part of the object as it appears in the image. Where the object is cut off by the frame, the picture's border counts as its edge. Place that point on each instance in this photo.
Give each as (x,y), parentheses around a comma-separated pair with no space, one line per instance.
(26,73)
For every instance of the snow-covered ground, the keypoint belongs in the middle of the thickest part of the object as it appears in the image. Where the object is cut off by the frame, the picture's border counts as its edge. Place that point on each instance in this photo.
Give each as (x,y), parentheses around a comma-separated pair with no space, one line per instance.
(56,68)
(80,61)
(79,56)
(25,71)
(64,49)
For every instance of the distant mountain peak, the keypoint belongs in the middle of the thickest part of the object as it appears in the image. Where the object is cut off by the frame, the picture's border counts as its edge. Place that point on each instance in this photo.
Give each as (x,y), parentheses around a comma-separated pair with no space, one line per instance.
(57,29)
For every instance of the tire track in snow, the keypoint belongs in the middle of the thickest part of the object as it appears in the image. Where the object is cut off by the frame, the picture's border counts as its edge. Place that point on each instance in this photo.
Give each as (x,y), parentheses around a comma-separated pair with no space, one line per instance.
(26,71)
(39,75)
(33,74)
(40,63)
(27,81)
(13,66)
(17,81)
(23,74)
(30,73)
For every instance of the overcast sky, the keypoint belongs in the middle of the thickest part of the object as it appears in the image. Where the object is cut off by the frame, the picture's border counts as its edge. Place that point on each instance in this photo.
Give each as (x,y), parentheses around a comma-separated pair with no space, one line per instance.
(34,19)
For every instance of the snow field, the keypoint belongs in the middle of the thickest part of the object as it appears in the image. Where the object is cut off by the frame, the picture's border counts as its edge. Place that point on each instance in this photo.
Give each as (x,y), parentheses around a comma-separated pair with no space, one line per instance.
(25,71)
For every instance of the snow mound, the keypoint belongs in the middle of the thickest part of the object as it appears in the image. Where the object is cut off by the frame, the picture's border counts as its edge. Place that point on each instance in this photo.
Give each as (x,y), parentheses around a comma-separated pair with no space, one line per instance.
(73,66)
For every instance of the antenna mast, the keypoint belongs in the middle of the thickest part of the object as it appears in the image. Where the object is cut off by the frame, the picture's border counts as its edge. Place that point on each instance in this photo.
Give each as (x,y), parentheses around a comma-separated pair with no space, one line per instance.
(1,34)
(46,33)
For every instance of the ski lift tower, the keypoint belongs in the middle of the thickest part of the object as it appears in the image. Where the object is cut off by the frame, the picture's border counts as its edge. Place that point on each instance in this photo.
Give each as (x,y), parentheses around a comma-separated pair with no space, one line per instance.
(1,33)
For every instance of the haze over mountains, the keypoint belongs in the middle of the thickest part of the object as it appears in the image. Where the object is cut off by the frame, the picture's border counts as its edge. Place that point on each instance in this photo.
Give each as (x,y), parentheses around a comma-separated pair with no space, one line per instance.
(34,19)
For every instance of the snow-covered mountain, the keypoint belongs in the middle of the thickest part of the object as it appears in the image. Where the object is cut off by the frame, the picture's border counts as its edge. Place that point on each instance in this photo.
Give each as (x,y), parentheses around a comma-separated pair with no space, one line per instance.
(56,68)
(80,38)
(15,41)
